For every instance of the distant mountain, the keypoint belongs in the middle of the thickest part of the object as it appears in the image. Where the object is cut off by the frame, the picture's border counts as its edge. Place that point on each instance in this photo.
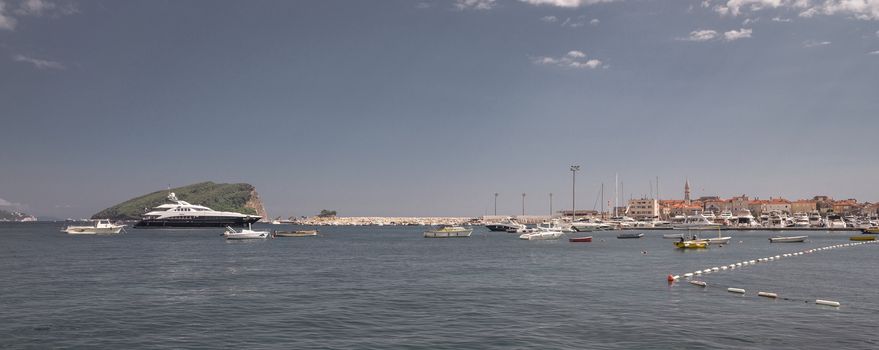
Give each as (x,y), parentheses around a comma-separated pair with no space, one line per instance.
(15,216)
(241,198)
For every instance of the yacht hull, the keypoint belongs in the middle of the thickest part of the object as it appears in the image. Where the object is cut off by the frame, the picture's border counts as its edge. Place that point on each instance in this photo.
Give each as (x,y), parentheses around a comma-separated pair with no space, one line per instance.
(196,222)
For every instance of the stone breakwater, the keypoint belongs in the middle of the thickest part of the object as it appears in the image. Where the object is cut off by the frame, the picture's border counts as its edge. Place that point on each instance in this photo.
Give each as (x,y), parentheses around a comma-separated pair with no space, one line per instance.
(387,221)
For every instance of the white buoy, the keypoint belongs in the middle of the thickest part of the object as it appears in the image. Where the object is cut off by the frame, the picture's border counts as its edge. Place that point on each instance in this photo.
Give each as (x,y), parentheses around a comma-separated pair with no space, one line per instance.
(697,273)
(699,283)
(740,264)
(777,257)
(732,266)
(752,262)
(736,290)
(715,269)
(706,271)
(723,267)
(767,294)
(827,302)
(688,274)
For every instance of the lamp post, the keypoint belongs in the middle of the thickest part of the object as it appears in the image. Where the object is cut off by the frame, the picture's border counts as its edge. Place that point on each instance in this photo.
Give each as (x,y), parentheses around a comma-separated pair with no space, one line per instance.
(574,170)
(495,204)
(523,203)
(550,205)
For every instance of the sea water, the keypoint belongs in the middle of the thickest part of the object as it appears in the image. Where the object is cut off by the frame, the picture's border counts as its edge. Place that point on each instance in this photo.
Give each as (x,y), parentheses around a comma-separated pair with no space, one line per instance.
(390,288)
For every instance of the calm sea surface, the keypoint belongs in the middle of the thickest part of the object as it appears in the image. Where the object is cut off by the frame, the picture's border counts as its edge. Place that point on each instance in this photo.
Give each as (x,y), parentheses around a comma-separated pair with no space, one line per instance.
(387,287)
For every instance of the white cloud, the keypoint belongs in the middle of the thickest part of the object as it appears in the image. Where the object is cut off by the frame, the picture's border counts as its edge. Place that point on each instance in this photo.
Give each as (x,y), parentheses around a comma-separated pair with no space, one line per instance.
(549,19)
(873,52)
(422,5)
(39,8)
(737,34)
(6,203)
(812,43)
(573,59)
(860,9)
(6,21)
(475,4)
(594,22)
(782,20)
(38,63)
(701,35)
(565,3)
(877,33)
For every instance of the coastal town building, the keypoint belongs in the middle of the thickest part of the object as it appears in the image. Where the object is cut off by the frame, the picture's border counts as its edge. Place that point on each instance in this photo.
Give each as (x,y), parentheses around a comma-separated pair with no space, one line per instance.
(803,206)
(847,206)
(644,208)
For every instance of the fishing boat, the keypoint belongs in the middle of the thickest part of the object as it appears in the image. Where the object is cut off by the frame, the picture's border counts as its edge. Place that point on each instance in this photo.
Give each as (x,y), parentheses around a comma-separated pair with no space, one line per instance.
(580,239)
(791,239)
(691,244)
(100,227)
(541,235)
(448,232)
(247,233)
(627,235)
(862,238)
(299,233)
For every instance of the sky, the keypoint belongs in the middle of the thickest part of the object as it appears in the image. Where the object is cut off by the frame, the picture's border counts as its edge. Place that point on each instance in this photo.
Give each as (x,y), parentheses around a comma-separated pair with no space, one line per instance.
(405,108)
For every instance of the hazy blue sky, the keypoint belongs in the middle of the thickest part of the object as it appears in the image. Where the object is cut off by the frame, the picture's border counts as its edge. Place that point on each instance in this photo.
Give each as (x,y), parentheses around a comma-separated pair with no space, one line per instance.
(428,108)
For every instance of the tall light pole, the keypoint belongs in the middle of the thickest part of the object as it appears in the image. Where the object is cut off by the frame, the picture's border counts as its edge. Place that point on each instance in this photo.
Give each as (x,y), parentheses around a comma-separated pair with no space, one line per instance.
(523,203)
(495,204)
(574,170)
(550,205)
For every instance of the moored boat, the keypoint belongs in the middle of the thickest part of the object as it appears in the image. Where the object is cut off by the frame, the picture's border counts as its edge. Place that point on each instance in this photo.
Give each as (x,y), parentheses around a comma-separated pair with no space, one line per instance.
(870,230)
(541,235)
(862,238)
(791,239)
(247,233)
(448,232)
(691,244)
(299,233)
(627,235)
(100,227)
(580,239)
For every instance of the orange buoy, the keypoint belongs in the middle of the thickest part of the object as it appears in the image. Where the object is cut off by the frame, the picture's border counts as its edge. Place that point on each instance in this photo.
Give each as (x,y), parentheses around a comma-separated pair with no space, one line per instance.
(671,278)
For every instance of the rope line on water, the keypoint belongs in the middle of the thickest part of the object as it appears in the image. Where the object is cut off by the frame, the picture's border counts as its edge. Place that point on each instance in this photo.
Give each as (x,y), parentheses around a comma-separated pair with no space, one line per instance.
(690,275)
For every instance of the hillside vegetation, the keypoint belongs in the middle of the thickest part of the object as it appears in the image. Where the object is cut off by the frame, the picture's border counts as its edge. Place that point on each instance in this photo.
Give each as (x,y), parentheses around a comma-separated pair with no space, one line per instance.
(220,197)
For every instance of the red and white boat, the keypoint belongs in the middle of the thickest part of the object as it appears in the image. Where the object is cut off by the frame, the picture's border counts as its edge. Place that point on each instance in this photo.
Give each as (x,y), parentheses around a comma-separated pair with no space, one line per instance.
(580,239)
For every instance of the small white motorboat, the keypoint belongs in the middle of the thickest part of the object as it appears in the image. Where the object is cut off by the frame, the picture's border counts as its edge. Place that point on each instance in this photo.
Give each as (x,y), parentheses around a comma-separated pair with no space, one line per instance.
(101,227)
(673,236)
(718,240)
(247,233)
(791,239)
(448,232)
(542,235)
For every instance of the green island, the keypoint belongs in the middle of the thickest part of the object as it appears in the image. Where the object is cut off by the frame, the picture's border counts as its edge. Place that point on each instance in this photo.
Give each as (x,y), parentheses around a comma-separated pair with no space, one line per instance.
(238,197)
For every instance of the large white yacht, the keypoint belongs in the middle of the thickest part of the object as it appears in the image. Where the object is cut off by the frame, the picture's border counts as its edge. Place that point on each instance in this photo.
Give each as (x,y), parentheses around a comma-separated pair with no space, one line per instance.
(744,218)
(182,214)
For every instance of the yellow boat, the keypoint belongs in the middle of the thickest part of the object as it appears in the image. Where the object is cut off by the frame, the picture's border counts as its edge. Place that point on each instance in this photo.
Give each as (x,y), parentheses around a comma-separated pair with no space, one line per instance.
(871,230)
(862,238)
(691,244)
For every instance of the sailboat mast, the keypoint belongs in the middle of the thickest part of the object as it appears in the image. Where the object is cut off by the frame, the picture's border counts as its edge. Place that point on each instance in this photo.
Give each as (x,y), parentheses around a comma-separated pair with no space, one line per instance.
(616,193)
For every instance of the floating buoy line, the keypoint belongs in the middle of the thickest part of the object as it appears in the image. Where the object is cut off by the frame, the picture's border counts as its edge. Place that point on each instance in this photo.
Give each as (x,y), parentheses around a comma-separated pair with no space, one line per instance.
(690,275)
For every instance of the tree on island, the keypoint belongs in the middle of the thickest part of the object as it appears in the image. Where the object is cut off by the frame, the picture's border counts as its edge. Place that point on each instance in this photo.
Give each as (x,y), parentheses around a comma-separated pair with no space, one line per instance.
(327,213)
